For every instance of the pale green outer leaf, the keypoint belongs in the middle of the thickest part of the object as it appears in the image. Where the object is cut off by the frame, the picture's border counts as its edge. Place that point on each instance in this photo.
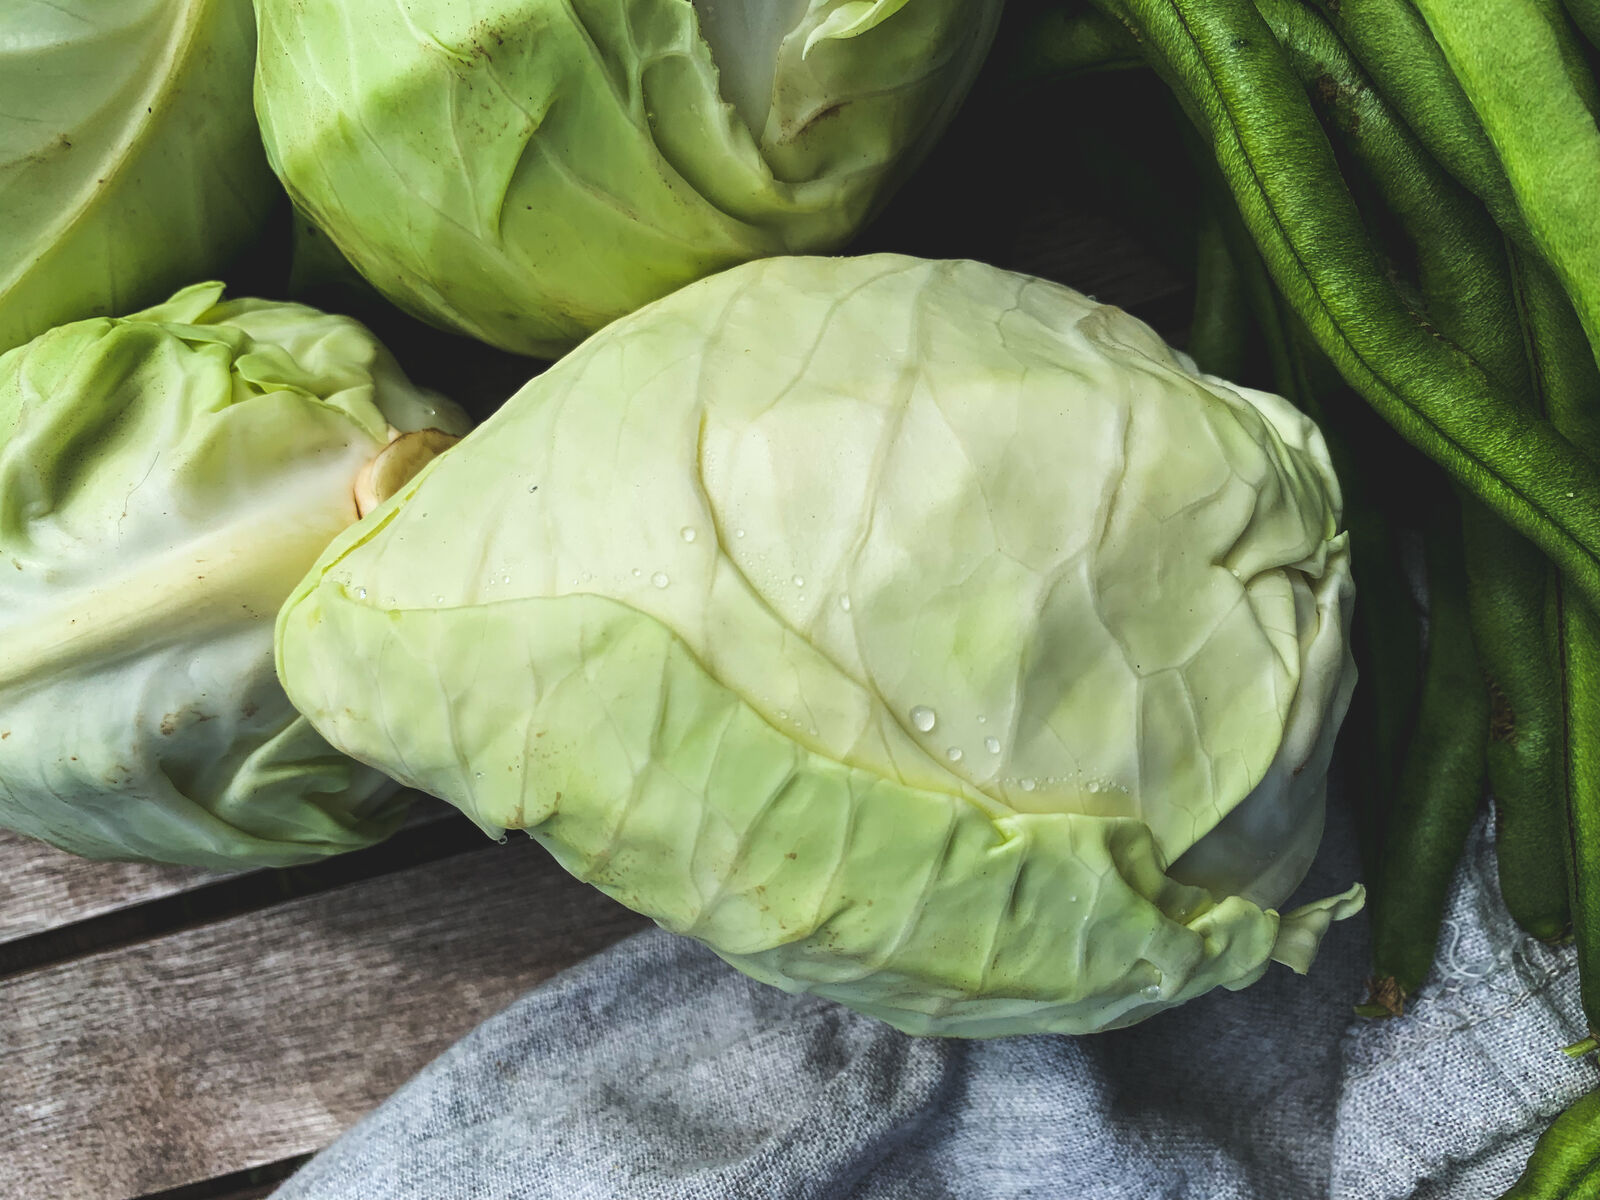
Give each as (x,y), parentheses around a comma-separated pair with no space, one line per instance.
(891,626)
(852,19)
(165,480)
(130,161)
(525,171)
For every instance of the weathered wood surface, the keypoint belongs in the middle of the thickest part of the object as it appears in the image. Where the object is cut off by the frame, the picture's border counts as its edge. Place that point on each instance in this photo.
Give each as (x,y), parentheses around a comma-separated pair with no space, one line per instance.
(262,1037)
(42,888)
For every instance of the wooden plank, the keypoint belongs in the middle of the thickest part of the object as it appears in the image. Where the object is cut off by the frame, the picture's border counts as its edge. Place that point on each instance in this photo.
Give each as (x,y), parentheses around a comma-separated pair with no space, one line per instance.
(42,888)
(255,1039)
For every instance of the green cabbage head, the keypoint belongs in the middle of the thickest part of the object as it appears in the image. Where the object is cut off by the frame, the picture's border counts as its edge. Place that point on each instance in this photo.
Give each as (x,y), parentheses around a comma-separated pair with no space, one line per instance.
(917,634)
(525,171)
(165,481)
(130,161)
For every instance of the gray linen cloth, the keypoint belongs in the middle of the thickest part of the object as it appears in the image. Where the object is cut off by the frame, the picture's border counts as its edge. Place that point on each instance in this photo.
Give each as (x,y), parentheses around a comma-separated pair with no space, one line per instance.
(655,1071)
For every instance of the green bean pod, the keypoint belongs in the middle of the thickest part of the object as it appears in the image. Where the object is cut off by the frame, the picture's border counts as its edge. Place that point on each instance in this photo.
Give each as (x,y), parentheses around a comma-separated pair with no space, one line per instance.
(1585,14)
(1510,587)
(1464,281)
(1570,384)
(1565,1164)
(1392,43)
(1566,376)
(1441,780)
(1464,284)
(1580,644)
(1233,77)
(1219,332)
(1574,58)
(1512,61)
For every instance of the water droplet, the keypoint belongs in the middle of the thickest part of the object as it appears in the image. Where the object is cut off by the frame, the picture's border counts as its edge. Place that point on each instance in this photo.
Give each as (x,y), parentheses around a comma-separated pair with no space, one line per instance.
(799,581)
(660,579)
(844,603)
(533,487)
(505,579)
(992,745)
(477,774)
(503,839)
(1072,899)
(953,754)
(812,732)
(1029,784)
(688,534)
(982,720)
(438,599)
(1153,991)
(361,593)
(1094,785)
(637,572)
(783,714)
(738,533)
(923,717)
